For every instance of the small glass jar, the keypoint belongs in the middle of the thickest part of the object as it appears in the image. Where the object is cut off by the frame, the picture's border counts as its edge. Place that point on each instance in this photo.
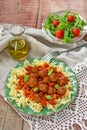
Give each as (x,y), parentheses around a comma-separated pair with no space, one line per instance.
(18,46)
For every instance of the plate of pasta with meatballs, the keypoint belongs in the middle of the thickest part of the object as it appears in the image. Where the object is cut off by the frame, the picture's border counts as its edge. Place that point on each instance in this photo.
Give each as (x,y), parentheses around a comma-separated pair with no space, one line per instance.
(38,87)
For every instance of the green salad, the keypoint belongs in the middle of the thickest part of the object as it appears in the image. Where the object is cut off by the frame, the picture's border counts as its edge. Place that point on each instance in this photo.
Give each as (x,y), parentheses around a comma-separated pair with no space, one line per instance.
(65,27)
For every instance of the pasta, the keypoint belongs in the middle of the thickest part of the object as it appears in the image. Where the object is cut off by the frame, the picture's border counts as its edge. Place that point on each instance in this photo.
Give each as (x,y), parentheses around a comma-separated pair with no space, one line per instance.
(17,91)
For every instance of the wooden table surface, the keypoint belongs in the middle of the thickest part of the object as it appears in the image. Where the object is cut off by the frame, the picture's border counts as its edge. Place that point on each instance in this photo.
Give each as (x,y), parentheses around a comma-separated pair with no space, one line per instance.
(31,13)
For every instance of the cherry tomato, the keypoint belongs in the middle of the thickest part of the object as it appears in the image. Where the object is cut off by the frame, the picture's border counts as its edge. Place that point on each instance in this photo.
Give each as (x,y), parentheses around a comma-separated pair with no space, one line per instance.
(70,18)
(59,34)
(55,96)
(26,92)
(76,31)
(51,84)
(43,101)
(28,68)
(19,87)
(55,23)
(21,77)
(52,102)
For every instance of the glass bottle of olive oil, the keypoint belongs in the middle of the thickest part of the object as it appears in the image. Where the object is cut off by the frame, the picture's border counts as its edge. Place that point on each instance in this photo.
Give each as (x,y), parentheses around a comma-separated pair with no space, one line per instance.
(18,47)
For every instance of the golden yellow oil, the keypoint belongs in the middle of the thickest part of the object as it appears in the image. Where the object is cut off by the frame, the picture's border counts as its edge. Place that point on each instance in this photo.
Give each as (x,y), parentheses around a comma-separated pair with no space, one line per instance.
(19,48)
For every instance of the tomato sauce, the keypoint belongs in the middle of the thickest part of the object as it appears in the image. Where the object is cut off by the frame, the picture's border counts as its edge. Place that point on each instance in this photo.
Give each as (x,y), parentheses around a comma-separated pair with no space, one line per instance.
(43,84)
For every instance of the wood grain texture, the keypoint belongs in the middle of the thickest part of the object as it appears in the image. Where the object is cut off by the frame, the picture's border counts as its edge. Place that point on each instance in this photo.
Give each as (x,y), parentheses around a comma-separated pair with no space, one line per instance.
(32,13)
(28,12)
(43,12)
(26,126)
(3,110)
(9,119)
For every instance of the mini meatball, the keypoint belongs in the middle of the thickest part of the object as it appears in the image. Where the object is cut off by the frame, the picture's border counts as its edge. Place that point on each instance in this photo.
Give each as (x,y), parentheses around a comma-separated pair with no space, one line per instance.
(63,80)
(43,87)
(32,82)
(46,80)
(34,69)
(37,98)
(61,91)
(26,85)
(34,75)
(54,77)
(51,90)
(43,73)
